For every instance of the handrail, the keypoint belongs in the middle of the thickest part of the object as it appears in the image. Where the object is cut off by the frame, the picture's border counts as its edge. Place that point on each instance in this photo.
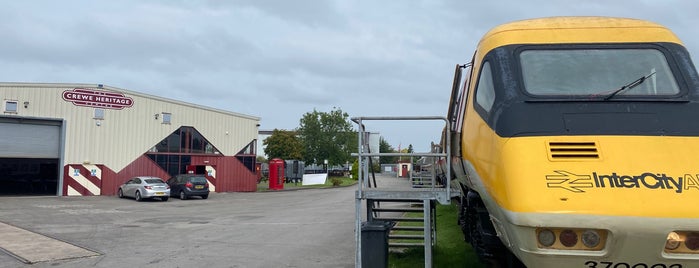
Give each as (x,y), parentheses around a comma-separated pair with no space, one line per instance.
(363,169)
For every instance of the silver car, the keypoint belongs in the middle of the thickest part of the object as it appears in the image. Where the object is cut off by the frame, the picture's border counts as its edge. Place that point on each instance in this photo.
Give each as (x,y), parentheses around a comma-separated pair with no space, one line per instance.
(144,187)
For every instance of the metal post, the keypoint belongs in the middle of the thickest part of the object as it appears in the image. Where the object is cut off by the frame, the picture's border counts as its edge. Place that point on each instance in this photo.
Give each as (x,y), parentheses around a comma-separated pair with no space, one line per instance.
(442,196)
(427,222)
(358,201)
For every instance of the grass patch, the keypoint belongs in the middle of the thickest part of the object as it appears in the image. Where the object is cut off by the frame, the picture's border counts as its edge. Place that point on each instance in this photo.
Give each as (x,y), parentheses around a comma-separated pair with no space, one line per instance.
(450,250)
(343,181)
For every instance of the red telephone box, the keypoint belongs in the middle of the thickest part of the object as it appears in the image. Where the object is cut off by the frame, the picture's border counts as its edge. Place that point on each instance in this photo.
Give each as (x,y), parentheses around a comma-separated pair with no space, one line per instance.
(276,174)
(404,169)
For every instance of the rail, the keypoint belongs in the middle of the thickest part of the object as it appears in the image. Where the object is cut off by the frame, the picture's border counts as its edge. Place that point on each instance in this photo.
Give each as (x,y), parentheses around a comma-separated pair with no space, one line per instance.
(440,191)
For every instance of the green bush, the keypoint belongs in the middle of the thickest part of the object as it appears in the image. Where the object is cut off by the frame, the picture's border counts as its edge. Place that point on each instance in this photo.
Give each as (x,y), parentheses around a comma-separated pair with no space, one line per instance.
(355,170)
(336,181)
(376,167)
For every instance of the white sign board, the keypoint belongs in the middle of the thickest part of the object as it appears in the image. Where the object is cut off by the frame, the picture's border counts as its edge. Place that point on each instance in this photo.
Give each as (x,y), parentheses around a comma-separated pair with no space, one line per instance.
(313,179)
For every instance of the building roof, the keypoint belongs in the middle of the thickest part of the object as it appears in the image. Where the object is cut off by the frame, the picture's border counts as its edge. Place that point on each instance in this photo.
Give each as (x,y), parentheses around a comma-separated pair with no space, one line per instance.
(129,92)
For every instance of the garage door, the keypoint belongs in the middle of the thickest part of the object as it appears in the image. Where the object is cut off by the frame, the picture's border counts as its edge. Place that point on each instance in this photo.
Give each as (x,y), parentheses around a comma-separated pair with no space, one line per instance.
(23,140)
(29,156)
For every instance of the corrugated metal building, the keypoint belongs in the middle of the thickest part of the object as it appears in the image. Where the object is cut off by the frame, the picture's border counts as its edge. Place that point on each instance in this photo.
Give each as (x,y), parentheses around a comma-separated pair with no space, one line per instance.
(79,139)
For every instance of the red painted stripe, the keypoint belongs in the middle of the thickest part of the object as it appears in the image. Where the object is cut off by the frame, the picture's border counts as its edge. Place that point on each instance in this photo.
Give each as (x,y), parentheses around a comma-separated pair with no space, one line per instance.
(68,181)
(212,180)
(86,173)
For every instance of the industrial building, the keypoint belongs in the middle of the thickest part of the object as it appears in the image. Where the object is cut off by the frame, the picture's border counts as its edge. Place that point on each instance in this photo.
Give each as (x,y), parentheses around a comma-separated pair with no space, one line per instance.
(85,139)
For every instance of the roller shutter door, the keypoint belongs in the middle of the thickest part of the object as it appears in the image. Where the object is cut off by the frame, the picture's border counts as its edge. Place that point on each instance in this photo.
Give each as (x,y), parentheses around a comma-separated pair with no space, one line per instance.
(30,140)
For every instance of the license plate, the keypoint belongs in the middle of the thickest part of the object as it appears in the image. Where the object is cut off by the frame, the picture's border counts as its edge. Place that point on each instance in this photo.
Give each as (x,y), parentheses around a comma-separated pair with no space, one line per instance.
(159,193)
(199,187)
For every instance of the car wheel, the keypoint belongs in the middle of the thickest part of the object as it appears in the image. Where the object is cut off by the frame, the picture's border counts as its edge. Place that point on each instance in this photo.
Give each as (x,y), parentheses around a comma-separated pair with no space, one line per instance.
(138,196)
(120,193)
(182,195)
(164,199)
(204,196)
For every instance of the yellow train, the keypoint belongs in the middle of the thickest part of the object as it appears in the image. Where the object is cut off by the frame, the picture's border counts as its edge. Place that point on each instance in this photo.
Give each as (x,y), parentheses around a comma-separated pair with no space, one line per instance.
(576,144)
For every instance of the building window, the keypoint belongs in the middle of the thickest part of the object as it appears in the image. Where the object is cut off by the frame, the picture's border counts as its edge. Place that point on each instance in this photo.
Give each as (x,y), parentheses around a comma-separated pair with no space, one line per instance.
(174,153)
(11,106)
(99,113)
(166,118)
(248,155)
(185,140)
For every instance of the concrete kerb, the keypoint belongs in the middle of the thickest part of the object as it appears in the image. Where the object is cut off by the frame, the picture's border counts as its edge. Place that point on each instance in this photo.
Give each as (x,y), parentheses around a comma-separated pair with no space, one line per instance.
(306,188)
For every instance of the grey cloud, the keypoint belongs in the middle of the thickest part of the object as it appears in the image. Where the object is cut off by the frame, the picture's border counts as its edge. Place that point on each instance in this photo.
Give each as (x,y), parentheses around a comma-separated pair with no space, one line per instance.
(280,59)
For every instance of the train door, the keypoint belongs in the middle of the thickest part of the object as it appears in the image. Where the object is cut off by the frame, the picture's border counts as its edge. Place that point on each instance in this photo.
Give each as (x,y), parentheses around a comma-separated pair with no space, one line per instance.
(457,115)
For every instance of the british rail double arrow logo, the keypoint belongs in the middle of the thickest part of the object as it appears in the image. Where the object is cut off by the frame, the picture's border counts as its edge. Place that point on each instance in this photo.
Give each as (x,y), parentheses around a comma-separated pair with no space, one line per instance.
(569,181)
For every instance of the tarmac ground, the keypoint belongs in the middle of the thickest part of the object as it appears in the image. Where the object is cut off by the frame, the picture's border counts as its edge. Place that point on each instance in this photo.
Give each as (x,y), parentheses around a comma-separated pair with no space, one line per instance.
(303,228)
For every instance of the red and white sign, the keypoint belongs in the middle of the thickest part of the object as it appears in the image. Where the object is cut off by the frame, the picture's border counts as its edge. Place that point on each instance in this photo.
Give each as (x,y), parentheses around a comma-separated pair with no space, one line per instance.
(98,99)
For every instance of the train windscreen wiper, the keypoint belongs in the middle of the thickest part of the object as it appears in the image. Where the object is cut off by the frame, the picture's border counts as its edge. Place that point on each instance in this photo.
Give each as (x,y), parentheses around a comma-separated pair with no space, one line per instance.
(628,86)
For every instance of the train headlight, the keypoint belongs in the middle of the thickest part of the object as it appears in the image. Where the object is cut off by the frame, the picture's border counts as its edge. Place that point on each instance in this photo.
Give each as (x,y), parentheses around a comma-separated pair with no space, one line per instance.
(568,238)
(692,241)
(546,237)
(673,241)
(682,242)
(571,239)
(590,238)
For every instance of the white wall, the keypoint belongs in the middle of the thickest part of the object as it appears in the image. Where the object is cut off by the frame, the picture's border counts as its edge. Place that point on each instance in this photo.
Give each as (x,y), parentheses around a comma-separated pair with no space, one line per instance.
(123,135)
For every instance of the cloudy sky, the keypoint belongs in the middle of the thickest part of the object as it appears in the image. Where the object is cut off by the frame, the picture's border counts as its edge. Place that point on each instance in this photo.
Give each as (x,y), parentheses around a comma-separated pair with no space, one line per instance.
(279,59)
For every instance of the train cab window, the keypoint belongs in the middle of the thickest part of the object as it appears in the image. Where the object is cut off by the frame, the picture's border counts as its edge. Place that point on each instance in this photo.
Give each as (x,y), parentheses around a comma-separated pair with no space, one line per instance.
(485,92)
(591,73)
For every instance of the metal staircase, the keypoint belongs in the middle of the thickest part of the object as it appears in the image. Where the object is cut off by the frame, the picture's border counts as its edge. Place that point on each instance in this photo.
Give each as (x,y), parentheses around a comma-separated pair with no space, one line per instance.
(409,204)
(409,230)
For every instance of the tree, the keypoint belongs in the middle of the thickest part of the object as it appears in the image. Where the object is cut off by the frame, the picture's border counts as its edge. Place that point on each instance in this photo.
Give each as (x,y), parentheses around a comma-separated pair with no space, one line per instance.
(410,151)
(384,147)
(327,135)
(283,144)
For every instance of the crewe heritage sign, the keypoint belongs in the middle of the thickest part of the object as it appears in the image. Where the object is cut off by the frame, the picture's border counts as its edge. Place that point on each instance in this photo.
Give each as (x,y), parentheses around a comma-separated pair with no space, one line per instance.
(97,98)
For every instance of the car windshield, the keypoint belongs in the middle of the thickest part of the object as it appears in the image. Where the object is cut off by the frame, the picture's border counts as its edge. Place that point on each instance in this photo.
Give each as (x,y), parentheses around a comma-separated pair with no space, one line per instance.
(153,181)
(596,72)
(198,180)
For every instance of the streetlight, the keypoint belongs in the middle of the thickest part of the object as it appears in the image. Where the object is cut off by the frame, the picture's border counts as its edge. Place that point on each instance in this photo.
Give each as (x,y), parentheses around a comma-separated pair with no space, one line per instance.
(326,165)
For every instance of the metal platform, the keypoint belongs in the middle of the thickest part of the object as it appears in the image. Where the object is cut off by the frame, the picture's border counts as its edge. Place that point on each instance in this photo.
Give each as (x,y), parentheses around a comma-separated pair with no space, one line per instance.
(426,192)
(439,194)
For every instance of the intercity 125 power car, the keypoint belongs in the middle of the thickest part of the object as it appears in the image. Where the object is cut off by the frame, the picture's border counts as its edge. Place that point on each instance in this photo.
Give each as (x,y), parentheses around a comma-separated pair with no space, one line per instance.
(575,143)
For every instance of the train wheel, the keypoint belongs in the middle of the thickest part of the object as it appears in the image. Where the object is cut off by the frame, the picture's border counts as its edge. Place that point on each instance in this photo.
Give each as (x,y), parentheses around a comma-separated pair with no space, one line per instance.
(476,231)
(462,219)
(484,239)
(511,261)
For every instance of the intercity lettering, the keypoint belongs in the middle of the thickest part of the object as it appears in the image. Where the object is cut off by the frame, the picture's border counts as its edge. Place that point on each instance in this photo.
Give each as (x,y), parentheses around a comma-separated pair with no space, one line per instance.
(647,180)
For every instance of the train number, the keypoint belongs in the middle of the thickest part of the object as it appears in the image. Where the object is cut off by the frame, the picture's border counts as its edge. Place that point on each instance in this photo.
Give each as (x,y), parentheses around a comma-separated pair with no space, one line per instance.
(609,264)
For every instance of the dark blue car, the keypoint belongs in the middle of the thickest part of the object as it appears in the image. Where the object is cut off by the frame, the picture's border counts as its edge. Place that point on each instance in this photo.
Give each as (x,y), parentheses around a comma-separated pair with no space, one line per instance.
(188,185)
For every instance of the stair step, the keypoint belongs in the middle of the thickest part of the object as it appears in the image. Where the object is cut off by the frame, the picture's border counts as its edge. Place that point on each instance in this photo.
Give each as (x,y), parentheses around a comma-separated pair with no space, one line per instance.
(408,228)
(397,209)
(406,245)
(412,237)
(400,219)
(428,186)
(395,200)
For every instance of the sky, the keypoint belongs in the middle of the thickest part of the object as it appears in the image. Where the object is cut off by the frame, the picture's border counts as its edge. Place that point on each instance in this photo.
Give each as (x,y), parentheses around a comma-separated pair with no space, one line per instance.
(277,59)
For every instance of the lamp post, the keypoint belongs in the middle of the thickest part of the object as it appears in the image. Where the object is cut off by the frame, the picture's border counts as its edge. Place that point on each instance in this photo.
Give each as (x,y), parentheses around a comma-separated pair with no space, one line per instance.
(325,162)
